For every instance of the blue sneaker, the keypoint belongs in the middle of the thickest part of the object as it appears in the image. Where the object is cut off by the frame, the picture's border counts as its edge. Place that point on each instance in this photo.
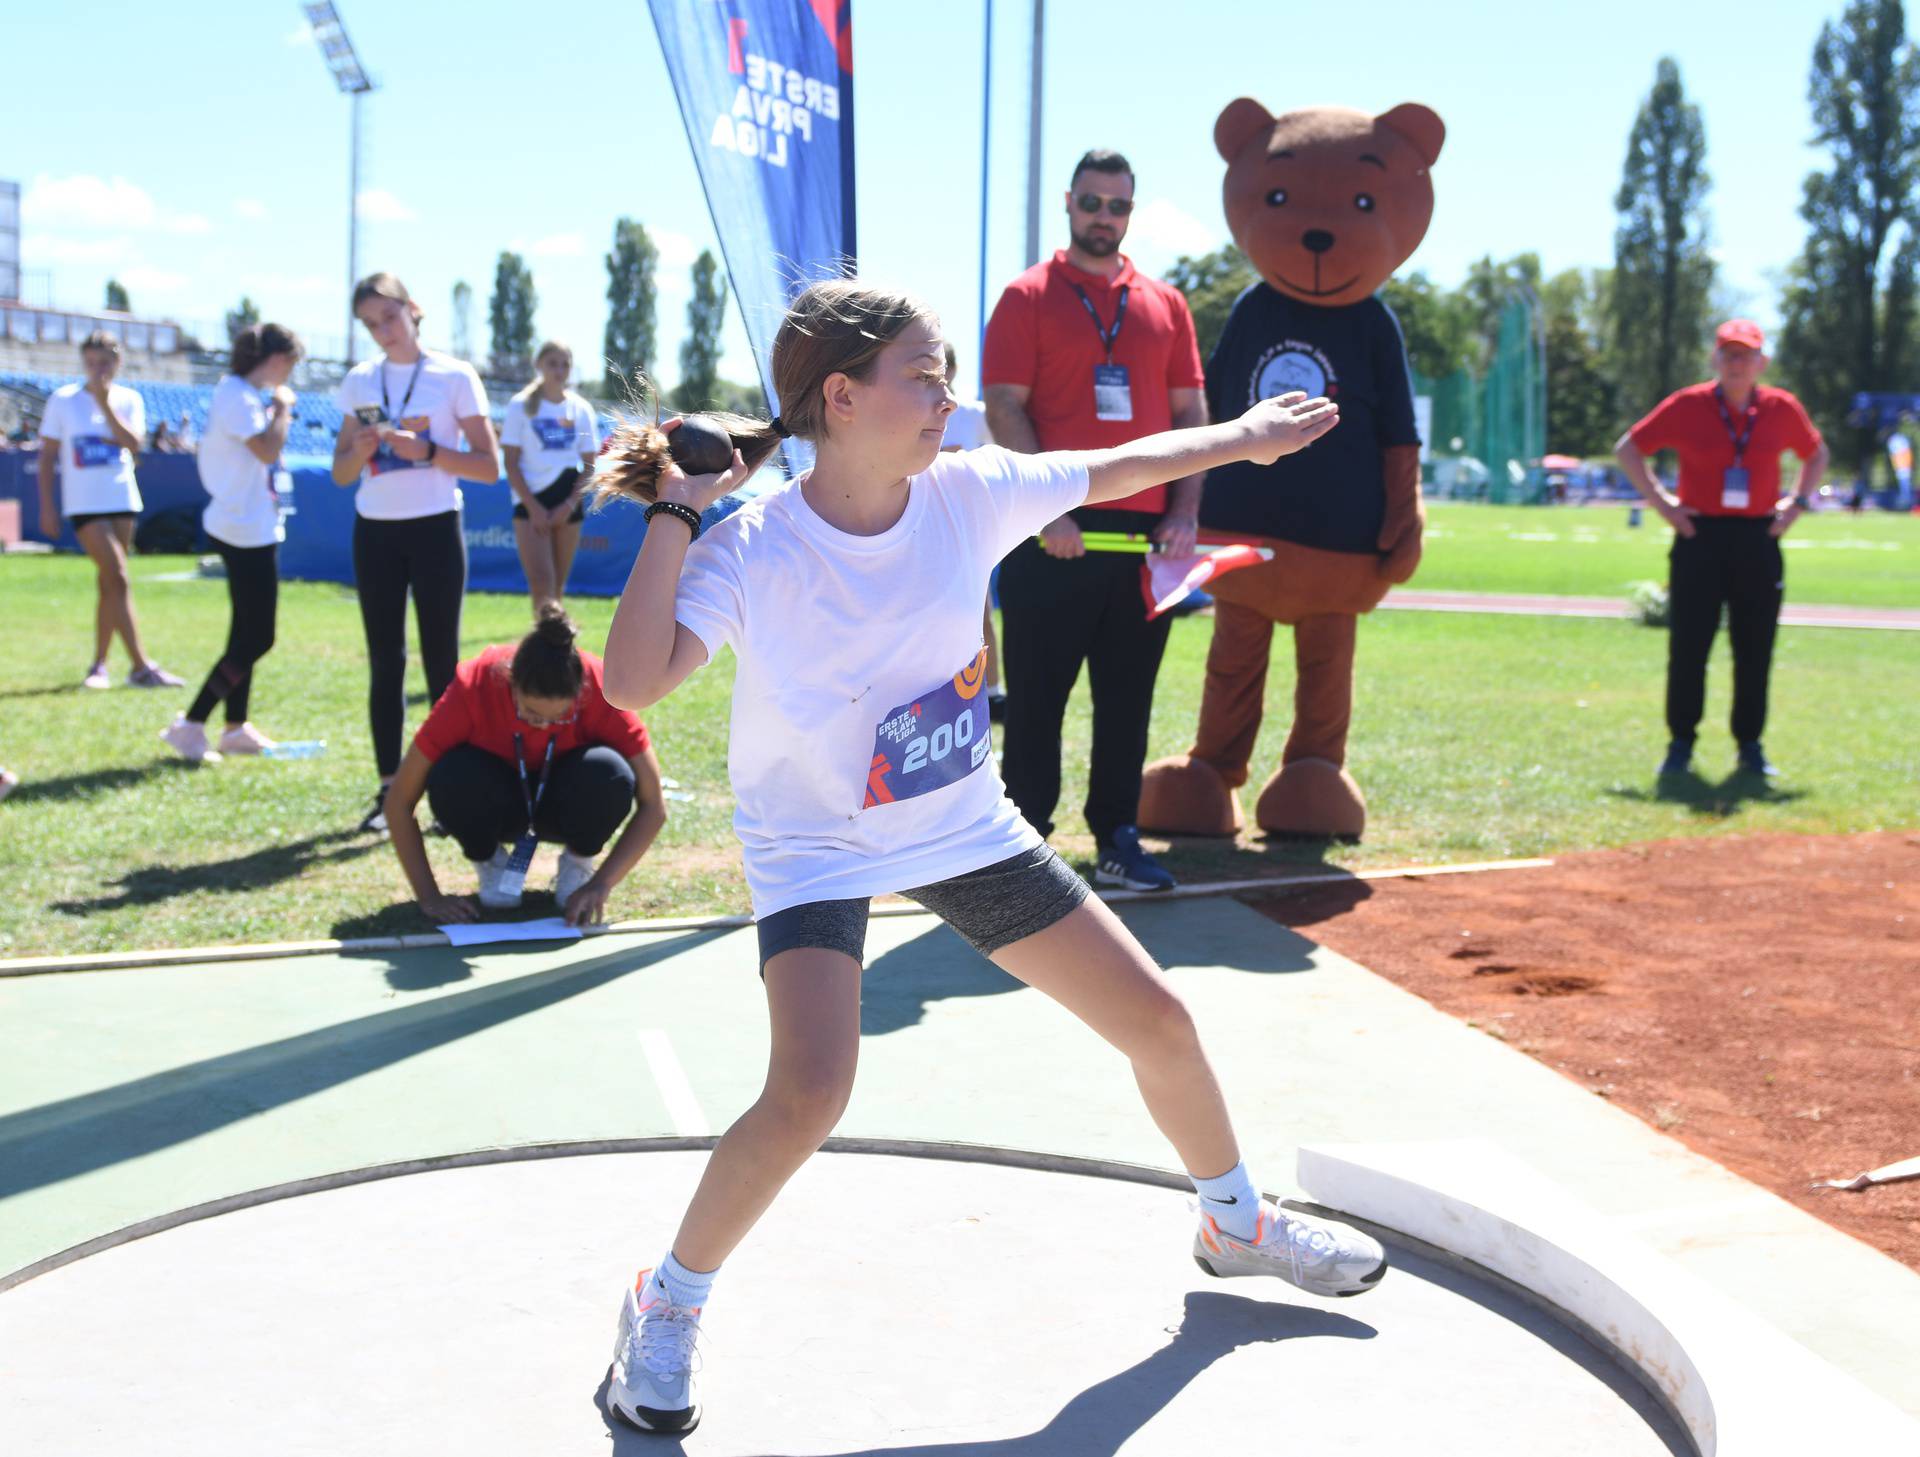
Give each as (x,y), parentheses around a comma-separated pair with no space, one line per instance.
(1122,862)
(1753,760)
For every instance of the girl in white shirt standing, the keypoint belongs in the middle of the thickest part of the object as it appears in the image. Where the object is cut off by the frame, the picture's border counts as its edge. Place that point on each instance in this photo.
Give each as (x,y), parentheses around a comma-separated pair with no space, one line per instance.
(413,426)
(861,763)
(550,436)
(92,431)
(247,428)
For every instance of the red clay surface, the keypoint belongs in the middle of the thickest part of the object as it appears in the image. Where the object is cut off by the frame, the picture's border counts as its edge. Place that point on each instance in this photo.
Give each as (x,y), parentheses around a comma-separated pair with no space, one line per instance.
(1756,997)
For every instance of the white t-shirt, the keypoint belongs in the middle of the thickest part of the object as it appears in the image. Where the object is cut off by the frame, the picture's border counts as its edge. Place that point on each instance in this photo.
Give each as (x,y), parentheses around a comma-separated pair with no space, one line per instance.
(553,439)
(243,510)
(96,475)
(860,752)
(433,403)
(967,426)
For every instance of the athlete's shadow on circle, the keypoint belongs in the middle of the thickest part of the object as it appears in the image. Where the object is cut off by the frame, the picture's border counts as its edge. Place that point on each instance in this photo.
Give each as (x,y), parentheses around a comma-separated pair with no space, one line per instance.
(1101,1419)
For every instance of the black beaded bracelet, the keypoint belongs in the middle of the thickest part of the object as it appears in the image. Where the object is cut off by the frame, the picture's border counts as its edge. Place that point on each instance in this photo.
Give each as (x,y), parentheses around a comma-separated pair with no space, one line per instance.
(679,513)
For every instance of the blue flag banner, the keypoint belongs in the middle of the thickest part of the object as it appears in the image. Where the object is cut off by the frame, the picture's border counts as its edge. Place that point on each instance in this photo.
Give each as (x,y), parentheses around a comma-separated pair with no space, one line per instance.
(766,91)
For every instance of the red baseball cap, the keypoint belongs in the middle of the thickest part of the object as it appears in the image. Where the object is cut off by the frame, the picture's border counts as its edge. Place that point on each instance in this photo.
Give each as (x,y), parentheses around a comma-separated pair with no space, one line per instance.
(1743,332)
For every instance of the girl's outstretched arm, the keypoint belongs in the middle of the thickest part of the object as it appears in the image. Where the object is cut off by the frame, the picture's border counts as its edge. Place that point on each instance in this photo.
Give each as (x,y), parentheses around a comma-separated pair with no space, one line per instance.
(1266,432)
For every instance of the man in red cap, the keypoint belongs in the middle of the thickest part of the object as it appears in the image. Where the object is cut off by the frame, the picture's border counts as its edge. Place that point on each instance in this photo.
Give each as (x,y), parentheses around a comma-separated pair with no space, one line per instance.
(1727,520)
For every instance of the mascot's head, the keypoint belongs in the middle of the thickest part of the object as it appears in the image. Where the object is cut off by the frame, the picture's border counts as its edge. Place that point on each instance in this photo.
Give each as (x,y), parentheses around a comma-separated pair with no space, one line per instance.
(1327,202)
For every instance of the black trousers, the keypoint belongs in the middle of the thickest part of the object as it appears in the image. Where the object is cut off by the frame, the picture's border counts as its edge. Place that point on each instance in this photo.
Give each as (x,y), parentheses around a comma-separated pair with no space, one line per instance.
(253,597)
(426,556)
(1057,615)
(1730,562)
(476,795)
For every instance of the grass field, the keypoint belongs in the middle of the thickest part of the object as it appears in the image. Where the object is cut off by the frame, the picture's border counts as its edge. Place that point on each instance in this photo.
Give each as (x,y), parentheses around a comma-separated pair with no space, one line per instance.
(1475,737)
(1870,560)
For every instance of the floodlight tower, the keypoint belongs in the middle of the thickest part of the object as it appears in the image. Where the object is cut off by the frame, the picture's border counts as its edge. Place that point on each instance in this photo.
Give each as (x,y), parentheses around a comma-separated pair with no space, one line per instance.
(330,34)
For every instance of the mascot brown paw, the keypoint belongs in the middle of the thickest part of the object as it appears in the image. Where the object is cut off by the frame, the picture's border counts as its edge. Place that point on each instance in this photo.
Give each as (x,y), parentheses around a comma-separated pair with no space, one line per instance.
(1315,798)
(1184,796)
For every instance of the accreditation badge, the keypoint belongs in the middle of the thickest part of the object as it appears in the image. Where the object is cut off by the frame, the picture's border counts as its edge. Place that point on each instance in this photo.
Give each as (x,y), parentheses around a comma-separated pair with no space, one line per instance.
(1112,395)
(1733,488)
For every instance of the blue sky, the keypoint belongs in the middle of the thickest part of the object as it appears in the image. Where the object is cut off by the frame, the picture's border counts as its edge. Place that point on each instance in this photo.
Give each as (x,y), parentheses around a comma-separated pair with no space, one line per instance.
(198,151)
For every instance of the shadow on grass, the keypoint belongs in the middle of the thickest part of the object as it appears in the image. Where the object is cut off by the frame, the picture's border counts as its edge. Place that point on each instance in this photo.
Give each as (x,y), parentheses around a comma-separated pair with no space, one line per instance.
(1709,800)
(49,690)
(96,1130)
(94,782)
(151,884)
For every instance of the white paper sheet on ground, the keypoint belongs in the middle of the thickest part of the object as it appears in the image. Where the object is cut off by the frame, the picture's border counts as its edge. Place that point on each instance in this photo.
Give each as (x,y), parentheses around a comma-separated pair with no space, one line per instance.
(547,928)
(1167,581)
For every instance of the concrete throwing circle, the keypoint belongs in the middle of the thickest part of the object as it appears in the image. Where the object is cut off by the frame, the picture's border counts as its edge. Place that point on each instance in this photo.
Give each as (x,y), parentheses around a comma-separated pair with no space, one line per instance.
(886,1304)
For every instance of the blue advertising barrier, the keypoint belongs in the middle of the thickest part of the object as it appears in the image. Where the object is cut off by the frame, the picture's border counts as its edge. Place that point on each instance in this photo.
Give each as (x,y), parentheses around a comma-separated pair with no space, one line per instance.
(319,545)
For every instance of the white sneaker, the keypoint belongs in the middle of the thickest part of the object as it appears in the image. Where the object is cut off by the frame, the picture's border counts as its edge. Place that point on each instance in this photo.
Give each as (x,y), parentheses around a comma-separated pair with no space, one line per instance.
(9,781)
(652,1382)
(189,741)
(1319,1256)
(97,677)
(494,873)
(244,738)
(574,871)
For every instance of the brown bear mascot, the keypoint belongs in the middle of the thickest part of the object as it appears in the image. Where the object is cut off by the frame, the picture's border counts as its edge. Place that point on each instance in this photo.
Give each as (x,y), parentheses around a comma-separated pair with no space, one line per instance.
(1325,203)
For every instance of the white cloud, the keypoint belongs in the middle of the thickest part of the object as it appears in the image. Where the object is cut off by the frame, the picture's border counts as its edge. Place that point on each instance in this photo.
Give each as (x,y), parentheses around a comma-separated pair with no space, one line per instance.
(380,206)
(1162,231)
(189,224)
(265,286)
(42,248)
(143,280)
(84,201)
(558,245)
(300,35)
(253,210)
(677,250)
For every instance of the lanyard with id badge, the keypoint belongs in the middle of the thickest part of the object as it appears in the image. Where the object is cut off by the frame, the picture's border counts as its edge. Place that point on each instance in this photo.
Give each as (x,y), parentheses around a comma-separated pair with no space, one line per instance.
(1733,481)
(1112,395)
(384,459)
(514,882)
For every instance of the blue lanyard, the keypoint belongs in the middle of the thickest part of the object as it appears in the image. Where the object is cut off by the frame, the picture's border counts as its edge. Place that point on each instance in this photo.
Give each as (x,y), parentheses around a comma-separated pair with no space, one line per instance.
(520,758)
(1108,337)
(1742,436)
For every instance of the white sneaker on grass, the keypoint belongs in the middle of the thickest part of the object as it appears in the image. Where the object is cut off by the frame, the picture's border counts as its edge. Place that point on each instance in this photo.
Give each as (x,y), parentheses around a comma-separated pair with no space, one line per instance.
(97,677)
(573,872)
(493,874)
(652,1382)
(244,738)
(189,740)
(1319,1256)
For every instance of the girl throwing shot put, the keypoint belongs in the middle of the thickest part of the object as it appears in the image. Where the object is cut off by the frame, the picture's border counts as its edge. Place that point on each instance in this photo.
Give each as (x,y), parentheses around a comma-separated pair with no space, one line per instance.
(861,764)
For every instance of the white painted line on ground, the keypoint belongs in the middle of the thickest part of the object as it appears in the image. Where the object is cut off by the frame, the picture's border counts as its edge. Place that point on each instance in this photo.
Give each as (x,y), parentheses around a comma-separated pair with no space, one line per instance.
(689,1121)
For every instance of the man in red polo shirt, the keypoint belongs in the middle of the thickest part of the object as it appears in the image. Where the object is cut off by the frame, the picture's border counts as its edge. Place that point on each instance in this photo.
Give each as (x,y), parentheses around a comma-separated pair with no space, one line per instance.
(1083,353)
(1727,522)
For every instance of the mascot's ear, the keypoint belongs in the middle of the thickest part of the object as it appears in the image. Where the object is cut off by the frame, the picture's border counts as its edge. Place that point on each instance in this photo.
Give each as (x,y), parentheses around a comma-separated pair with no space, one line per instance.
(1418,124)
(1239,124)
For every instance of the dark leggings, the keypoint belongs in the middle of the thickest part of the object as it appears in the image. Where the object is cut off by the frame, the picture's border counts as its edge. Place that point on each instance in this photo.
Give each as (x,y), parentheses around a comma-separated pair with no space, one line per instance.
(477,796)
(427,554)
(253,590)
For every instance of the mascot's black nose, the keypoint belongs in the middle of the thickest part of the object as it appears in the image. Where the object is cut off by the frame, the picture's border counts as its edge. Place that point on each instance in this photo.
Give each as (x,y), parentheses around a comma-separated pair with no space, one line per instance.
(1317,240)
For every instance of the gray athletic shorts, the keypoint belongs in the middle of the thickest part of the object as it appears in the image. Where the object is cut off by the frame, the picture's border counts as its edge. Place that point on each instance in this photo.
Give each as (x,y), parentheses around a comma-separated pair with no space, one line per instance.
(992,907)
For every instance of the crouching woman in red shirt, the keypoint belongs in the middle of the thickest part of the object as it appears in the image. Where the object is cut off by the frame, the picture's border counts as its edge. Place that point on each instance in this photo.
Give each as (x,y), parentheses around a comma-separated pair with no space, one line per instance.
(523,746)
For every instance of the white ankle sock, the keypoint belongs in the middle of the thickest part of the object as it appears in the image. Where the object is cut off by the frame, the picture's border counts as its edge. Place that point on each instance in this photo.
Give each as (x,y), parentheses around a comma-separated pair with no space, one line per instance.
(1232,1201)
(683,1286)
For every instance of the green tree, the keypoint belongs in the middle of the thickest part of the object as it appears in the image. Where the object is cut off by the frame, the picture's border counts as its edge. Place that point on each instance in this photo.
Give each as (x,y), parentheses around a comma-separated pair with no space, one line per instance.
(511,315)
(1662,271)
(1582,413)
(243,315)
(1484,296)
(629,341)
(117,297)
(1211,283)
(1848,306)
(700,350)
(1436,322)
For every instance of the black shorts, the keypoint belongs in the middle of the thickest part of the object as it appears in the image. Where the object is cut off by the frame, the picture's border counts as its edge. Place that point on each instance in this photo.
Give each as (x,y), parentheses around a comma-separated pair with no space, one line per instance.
(992,907)
(87,518)
(554,495)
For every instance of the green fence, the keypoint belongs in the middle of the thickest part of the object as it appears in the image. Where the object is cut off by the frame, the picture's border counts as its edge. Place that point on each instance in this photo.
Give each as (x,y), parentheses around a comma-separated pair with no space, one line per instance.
(1489,426)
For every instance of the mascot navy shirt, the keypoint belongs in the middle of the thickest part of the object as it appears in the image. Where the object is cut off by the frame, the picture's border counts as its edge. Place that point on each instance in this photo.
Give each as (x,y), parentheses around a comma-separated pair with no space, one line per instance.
(1332,494)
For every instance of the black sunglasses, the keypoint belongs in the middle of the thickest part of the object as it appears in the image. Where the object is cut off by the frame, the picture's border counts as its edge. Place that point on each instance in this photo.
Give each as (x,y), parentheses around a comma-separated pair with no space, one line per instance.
(1089,203)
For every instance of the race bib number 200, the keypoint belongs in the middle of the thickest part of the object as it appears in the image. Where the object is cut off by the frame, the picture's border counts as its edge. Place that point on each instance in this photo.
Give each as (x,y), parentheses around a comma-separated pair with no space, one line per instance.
(937,740)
